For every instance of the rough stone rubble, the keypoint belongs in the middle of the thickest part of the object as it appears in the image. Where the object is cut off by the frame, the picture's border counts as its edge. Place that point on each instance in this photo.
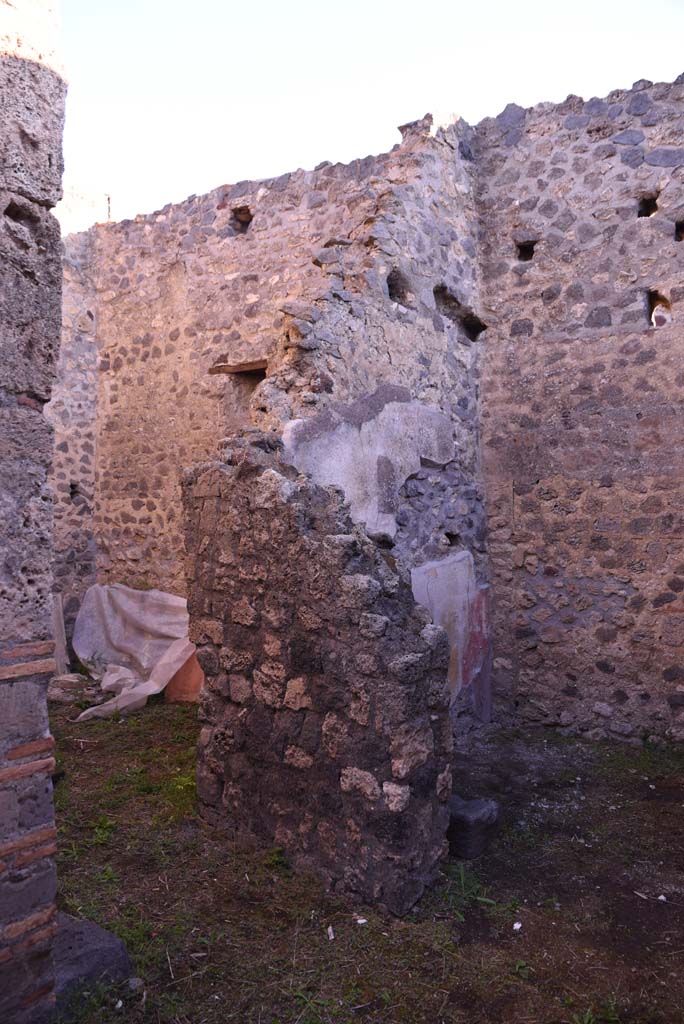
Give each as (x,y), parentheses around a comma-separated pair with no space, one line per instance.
(326,727)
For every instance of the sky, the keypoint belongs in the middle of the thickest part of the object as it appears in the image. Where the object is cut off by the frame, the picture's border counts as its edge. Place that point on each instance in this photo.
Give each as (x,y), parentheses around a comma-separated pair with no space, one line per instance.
(169,99)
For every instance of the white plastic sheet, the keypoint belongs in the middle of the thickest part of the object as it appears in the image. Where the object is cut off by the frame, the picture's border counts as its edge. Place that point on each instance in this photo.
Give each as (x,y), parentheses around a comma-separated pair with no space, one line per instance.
(134,641)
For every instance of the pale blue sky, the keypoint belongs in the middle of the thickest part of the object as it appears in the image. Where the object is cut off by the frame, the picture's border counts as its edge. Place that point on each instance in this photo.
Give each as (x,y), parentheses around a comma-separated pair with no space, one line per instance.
(168,98)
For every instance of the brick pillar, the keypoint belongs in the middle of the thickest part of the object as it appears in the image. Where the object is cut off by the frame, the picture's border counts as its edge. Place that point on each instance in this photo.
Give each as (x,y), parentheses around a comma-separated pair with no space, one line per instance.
(27,845)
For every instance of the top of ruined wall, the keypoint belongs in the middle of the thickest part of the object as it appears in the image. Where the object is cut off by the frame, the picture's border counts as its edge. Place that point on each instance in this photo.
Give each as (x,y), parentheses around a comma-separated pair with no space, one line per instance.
(193,282)
(31,100)
(30,29)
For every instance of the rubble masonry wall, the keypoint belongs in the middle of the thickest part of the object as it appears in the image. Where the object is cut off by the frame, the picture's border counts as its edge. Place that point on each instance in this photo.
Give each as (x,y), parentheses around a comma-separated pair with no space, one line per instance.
(31,119)
(583,410)
(326,728)
(351,279)
(304,288)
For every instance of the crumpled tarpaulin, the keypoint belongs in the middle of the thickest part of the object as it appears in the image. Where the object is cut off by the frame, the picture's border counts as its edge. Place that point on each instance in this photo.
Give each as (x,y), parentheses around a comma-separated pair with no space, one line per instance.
(134,641)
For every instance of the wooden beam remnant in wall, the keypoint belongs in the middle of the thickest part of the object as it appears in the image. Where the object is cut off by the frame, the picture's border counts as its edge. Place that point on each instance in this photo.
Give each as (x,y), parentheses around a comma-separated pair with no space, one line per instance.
(252,366)
(28,668)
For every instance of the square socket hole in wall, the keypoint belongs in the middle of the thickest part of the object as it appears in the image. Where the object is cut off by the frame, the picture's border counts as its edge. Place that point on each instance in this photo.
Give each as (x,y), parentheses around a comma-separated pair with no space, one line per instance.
(525,251)
(449,307)
(399,287)
(243,380)
(659,308)
(647,205)
(679,231)
(240,219)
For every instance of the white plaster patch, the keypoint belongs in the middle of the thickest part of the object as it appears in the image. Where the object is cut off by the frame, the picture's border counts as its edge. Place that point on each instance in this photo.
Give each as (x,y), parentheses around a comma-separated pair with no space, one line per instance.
(371,460)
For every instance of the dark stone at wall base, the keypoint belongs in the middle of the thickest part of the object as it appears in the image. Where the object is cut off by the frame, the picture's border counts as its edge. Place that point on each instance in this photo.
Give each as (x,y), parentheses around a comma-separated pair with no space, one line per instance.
(472,824)
(84,955)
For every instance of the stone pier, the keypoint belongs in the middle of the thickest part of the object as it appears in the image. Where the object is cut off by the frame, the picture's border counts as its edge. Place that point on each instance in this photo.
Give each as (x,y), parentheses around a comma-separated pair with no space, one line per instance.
(31,120)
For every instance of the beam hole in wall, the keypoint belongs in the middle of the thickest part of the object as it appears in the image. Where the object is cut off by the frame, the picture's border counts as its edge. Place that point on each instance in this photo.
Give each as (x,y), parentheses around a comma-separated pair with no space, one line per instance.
(252,378)
(252,368)
(399,287)
(648,205)
(239,393)
(20,214)
(452,309)
(525,251)
(244,379)
(473,326)
(679,231)
(240,219)
(659,308)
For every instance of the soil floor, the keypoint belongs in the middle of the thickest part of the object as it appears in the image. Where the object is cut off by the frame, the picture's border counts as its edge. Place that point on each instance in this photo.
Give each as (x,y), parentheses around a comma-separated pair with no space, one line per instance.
(575,914)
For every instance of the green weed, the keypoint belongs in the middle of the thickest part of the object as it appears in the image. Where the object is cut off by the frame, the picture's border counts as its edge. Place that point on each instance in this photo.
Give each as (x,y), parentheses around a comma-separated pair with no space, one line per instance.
(102,830)
(276,860)
(522,970)
(463,889)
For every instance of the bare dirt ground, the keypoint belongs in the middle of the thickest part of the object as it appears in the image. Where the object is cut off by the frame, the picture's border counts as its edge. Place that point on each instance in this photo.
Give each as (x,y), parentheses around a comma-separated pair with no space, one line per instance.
(575,915)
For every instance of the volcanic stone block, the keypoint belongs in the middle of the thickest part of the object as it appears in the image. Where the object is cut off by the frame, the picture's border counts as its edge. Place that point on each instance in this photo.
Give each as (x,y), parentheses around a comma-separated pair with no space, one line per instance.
(472,824)
(86,955)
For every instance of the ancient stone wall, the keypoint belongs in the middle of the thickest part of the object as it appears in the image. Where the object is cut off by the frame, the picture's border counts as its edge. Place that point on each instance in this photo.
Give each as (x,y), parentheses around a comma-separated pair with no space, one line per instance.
(331,283)
(31,119)
(173,294)
(582,217)
(401,309)
(347,307)
(73,412)
(326,726)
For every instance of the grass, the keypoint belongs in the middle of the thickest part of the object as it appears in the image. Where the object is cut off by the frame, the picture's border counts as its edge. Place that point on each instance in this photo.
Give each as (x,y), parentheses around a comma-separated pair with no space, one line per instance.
(462,890)
(650,760)
(222,935)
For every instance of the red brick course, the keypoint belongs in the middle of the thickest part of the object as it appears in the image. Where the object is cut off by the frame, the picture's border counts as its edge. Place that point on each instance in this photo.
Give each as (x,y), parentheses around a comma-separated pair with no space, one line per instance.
(14,931)
(29,839)
(40,746)
(21,771)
